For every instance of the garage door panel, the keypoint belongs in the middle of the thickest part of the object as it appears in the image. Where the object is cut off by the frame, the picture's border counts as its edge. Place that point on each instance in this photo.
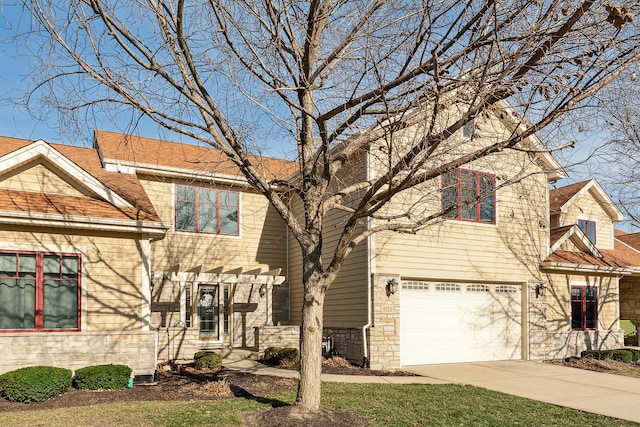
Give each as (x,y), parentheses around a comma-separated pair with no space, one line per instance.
(460,326)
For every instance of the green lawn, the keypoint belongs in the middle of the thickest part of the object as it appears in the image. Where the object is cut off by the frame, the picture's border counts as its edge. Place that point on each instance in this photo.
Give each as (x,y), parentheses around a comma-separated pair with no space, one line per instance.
(383,405)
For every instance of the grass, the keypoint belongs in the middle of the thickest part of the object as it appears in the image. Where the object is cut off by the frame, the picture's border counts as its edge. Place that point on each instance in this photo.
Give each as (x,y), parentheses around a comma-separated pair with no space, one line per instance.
(383,405)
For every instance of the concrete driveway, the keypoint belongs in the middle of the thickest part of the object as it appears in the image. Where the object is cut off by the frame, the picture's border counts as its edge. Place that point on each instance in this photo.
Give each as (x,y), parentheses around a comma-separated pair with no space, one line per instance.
(606,394)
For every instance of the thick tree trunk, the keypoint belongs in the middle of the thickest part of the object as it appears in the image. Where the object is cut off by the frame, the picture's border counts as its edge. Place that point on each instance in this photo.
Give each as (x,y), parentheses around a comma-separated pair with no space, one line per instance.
(309,388)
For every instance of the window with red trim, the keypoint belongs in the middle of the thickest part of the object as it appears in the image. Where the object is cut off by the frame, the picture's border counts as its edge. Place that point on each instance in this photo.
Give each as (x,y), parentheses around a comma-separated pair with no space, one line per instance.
(588,228)
(469,196)
(584,308)
(207,210)
(39,291)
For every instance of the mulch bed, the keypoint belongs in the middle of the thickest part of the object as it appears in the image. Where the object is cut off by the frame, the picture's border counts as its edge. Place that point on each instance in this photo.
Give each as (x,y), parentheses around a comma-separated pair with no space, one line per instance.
(184,383)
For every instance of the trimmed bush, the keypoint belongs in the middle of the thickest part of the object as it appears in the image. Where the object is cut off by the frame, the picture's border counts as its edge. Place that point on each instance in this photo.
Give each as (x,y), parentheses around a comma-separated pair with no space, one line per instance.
(271,355)
(35,383)
(622,356)
(102,377)
(207,360)
(288,356)
(635,353)
(597,354)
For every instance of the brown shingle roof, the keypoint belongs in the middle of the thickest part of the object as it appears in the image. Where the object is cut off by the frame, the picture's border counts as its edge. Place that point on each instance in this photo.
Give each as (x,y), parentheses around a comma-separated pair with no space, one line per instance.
(620,257)
(632,239)
(151,151)
(125,185)
(556,233)
(559,196)
(24,201)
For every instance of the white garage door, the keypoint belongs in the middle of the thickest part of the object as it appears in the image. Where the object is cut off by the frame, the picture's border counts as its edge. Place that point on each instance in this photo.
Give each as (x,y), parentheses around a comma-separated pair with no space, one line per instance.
(459,322)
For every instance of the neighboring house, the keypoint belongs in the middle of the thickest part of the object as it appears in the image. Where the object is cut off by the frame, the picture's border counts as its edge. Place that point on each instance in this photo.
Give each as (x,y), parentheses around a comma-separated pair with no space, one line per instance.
(139,250)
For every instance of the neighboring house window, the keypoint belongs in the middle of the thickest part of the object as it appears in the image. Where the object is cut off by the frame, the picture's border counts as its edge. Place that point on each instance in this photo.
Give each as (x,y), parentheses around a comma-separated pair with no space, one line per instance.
(588,228)
(467,129)
(39,291)
(584,308)
(206,210)
(469,196)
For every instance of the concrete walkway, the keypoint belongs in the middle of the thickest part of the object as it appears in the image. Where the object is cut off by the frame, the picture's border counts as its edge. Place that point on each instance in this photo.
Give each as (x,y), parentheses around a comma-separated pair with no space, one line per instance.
(599,393)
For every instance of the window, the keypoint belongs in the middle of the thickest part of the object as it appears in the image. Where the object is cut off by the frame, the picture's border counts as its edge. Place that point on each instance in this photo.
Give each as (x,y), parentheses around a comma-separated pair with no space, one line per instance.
(588,228)
(584,308)
(469,196)
(467,129)
(39,291)
(206,210)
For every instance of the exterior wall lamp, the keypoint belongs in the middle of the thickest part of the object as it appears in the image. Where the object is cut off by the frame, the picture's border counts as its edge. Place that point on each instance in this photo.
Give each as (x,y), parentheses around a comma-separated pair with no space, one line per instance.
(392,287)
(263,290)
(541,290)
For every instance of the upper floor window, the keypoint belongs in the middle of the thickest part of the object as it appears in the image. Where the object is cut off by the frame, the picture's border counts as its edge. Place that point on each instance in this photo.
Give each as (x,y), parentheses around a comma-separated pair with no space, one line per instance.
(467,129)
(206,210)
(469,196)
(588,228)
(584,308)
(39,291)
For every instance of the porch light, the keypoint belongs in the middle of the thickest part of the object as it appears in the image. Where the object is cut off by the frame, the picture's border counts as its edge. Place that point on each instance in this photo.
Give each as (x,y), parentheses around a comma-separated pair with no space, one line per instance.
(541,289)
(263,290)
(392,287)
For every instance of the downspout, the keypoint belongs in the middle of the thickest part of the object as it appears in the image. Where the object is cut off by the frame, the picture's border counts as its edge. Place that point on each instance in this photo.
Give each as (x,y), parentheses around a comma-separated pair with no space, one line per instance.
(365,358)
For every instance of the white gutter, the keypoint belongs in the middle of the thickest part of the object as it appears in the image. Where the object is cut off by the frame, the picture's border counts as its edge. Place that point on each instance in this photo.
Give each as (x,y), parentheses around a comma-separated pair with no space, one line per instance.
(370,271)
(588,268)
(83,222)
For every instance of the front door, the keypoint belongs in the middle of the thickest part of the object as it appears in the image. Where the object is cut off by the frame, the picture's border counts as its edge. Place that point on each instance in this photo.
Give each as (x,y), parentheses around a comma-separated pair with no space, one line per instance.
(213,313)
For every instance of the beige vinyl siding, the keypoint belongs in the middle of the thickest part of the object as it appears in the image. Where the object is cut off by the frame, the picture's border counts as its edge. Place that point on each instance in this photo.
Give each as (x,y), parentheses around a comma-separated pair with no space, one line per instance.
(509,250)
(111,272)
(587,207)
(346,300)
(261,244)
(559,300)
(38,177)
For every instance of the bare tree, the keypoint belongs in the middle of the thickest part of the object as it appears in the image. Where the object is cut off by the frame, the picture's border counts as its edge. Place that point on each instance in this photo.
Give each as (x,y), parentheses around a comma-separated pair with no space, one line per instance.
(329,78)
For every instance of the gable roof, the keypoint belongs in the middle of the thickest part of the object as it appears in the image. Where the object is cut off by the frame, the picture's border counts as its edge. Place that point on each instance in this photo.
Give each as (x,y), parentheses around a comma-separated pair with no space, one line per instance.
(560,235)
(127,153)
(622,259)
(561,198)
(117,198)
(631,239)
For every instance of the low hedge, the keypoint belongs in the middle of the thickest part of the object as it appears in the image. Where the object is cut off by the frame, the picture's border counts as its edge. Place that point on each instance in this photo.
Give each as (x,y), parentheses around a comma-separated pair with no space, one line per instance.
(281,356)
(635,353)
(35,383)
(597,354)
(622,356)
(102,377)
(207,360)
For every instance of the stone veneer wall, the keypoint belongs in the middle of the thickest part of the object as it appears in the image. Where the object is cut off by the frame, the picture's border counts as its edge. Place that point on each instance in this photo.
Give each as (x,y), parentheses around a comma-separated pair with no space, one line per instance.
(347,343)
(183,343)
(564,344)
(384,334)
(276,336)
(630,299)
(77,350)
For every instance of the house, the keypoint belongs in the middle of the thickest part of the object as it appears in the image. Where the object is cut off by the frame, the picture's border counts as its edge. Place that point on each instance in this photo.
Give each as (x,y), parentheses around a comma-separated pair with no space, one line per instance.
(133,251)
(139,250)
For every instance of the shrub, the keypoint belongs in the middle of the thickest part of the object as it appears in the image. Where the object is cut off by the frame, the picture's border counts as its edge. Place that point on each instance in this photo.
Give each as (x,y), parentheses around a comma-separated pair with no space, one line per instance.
(35,383)
(102,377)
(271,355)
(597,354)
(207,360)
(288,356)
(622,356)
(635,353)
